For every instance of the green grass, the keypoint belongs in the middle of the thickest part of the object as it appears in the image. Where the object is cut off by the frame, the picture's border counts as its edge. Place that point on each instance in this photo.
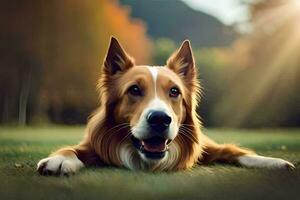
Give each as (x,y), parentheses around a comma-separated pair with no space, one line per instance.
(20,150)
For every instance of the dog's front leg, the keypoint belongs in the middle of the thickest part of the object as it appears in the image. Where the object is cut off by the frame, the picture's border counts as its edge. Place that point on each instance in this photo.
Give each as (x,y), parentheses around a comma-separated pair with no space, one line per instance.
(264,162)
(230,153)
(66,161)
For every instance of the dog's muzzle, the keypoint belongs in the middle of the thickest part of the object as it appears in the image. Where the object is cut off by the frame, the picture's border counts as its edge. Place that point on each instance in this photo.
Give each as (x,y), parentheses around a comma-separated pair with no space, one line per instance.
(153,148)
(156,145)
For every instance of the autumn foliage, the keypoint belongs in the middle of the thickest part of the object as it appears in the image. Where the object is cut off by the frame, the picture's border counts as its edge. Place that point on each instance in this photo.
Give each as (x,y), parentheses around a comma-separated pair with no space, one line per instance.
(52,54)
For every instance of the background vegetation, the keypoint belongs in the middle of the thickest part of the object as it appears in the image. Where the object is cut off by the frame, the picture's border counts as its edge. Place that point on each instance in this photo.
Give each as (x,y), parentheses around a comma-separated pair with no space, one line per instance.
(51,53)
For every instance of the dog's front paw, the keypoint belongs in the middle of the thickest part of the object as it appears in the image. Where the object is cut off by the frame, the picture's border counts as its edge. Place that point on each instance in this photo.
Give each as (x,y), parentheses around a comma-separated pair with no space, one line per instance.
(59,165)
(265,162)
(278,163)
(288,165)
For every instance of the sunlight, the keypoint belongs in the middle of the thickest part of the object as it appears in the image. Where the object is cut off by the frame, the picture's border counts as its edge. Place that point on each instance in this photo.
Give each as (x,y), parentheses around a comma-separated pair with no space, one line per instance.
(227,11)
(281,24)
(297,2)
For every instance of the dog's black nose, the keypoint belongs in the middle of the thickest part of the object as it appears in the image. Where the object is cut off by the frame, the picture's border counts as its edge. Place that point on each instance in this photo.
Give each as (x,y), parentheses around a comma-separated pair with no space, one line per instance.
(159,121)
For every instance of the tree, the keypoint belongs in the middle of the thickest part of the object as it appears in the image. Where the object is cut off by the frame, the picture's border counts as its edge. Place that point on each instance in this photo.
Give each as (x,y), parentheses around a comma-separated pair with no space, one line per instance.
(53,52)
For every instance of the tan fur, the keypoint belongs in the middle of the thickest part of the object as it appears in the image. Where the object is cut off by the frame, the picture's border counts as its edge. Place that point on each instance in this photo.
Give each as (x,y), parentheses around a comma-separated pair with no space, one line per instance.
(109,128)
(228,153)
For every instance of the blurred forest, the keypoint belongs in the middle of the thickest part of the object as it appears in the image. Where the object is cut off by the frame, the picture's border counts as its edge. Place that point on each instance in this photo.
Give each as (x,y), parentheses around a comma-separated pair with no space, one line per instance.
(51,54)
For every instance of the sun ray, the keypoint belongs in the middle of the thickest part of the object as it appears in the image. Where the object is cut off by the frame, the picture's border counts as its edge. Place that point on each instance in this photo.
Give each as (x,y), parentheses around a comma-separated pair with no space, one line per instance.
(281,25)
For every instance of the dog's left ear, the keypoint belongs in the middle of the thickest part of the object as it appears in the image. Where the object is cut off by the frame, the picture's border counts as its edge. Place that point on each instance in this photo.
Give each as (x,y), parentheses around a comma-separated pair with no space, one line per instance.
(117,60)
(182,62)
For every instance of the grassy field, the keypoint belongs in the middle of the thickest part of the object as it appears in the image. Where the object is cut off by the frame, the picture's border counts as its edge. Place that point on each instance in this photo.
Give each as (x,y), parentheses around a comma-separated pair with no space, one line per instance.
(20,150)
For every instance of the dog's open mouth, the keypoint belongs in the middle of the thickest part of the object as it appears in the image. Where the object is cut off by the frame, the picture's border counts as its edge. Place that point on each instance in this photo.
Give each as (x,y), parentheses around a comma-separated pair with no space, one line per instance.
(154,148)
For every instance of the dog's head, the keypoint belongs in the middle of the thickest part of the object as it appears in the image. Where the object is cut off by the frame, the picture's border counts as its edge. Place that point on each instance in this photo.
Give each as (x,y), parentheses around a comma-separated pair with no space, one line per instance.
(151,109)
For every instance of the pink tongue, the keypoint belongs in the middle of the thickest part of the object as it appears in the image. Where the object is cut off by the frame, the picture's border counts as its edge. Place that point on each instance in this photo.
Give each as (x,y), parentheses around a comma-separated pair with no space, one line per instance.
(154,147)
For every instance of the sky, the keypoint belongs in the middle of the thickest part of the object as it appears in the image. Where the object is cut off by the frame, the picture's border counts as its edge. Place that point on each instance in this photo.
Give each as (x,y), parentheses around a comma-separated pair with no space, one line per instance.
(227,11)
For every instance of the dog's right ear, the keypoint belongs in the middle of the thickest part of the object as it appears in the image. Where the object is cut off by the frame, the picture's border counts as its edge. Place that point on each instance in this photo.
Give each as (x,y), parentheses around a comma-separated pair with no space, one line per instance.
(117,60)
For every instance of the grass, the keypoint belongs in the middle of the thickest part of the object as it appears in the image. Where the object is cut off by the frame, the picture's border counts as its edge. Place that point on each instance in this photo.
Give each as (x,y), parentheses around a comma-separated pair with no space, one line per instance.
(20,150)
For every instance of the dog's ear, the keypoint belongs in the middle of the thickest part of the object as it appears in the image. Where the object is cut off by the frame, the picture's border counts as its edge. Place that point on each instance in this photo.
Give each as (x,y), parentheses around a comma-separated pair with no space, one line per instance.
(182,62)
(116,58)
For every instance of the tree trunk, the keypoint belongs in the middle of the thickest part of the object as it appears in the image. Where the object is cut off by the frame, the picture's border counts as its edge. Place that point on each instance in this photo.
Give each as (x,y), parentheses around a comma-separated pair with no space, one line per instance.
(23,101)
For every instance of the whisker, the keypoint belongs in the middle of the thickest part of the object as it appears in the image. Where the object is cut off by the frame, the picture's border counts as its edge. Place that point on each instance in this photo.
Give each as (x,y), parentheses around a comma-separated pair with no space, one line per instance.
(126,136)
(187,125)
(188,134)
(187,129)
(120,126)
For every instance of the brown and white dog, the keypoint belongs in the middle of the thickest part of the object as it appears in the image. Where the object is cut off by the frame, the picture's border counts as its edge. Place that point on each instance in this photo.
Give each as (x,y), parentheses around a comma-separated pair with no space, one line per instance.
(147,120)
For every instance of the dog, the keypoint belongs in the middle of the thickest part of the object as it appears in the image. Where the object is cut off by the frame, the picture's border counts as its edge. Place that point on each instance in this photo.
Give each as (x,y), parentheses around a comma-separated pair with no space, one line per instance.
(147,120)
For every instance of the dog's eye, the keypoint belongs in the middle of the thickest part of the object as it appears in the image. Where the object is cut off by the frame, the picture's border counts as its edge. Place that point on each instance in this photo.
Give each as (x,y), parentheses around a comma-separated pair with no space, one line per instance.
(135,90)
(174,92)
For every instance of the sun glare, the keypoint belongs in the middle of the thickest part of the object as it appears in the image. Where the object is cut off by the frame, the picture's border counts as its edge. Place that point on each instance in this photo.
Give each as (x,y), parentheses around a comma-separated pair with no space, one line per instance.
(297,2)
(281,22)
